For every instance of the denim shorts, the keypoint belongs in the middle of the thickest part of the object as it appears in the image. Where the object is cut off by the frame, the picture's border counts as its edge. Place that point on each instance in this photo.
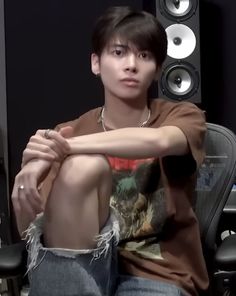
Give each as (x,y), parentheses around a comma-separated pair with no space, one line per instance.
(90,272)
(136,286)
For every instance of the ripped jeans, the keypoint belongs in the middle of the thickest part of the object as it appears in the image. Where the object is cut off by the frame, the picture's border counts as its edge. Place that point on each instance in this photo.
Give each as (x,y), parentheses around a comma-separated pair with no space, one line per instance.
(62,272)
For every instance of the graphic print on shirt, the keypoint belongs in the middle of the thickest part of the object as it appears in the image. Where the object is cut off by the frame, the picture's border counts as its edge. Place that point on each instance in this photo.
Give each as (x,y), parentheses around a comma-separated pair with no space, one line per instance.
(139,202)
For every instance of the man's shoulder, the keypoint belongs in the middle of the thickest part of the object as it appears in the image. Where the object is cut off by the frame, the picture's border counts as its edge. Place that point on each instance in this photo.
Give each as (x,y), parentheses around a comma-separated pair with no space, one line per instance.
(164,110)
(92,115)
(162,104)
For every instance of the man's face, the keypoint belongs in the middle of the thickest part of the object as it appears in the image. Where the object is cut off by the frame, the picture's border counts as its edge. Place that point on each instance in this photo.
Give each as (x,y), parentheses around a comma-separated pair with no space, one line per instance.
(126,71)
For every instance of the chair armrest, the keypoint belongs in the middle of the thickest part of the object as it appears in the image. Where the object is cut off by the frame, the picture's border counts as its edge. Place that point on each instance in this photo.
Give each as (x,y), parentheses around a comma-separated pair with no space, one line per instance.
(13,260)
(225,257)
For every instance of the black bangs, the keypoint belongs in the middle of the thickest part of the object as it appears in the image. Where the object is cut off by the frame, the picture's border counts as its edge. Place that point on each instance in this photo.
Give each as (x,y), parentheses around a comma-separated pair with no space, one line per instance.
(143,33)
(140,36)
(139,28)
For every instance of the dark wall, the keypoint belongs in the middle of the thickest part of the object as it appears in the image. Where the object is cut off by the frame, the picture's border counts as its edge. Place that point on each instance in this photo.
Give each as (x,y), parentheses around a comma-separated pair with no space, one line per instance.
(218,48)
(48,63)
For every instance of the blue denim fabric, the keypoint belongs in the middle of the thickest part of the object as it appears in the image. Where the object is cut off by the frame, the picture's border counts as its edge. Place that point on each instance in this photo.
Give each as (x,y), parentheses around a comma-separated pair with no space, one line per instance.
(136,286)
(57,275)
(63,272)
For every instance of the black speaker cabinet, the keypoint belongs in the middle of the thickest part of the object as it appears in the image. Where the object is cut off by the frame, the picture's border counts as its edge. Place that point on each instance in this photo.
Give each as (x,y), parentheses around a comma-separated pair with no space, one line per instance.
(180,78)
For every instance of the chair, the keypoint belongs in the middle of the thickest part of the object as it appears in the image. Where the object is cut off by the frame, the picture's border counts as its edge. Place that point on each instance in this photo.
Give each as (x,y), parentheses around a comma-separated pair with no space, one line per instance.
(216,177)
(215,180)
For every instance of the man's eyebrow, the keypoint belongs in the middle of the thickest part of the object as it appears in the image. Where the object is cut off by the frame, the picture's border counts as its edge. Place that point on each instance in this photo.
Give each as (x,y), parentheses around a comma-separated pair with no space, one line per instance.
(119,45)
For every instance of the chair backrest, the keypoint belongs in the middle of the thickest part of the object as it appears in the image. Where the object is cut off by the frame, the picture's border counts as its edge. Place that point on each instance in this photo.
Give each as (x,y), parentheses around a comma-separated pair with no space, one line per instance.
(215,180)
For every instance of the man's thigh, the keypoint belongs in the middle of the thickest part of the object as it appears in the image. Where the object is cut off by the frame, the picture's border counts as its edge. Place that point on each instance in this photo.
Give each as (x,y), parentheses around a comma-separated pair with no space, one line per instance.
(136,286)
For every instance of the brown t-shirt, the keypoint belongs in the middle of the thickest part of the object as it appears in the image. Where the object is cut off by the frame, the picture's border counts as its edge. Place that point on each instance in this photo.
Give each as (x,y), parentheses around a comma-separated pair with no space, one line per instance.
(154,199)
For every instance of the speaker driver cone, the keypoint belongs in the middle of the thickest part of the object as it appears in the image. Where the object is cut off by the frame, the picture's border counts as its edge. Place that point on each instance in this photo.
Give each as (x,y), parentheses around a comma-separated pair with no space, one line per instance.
(181,41)
(179,81)
(178,9)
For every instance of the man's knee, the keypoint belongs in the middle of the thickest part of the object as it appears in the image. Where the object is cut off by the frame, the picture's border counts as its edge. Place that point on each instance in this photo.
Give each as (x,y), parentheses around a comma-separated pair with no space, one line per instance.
(80,194)
(92,169)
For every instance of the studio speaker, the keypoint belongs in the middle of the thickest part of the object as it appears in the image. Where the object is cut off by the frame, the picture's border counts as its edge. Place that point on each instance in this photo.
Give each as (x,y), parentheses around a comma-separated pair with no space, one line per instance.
(180,77)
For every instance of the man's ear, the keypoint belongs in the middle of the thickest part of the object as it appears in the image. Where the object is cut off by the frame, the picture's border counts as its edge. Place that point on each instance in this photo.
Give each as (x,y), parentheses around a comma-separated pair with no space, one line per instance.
(95,65)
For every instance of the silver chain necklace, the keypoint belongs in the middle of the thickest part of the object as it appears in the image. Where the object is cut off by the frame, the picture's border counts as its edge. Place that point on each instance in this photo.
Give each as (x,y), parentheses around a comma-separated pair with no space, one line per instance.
(141,125)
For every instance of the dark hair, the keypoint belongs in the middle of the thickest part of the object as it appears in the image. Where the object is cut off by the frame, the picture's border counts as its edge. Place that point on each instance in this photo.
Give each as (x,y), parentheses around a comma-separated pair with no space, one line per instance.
(138,27)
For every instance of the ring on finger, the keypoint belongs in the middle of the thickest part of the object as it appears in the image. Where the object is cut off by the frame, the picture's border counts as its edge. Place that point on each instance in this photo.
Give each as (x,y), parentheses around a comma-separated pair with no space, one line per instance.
(46,133)
(21,187)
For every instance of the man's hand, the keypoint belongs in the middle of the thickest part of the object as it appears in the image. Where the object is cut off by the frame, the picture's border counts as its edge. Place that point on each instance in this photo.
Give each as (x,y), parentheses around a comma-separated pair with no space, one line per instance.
(42,149)
(26,199)
(53,147)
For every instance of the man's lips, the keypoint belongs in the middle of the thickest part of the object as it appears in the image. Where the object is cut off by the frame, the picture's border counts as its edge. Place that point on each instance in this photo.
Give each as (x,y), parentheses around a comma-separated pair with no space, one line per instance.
(130,81)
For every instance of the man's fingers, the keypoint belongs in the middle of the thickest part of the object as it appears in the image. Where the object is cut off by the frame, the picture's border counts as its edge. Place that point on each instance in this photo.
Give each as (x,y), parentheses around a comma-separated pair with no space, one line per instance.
(25,194)
(26,206)
(66,131)
(15,199)
(56,142)
(30,153)
(21,204)
(28,156)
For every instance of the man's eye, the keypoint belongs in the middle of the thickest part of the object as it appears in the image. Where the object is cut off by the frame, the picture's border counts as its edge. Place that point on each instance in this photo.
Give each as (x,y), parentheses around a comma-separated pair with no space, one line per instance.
(117,52)
(144,55)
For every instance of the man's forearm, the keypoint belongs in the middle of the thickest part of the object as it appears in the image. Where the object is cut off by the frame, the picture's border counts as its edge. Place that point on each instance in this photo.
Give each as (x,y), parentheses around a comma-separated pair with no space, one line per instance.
(132,142)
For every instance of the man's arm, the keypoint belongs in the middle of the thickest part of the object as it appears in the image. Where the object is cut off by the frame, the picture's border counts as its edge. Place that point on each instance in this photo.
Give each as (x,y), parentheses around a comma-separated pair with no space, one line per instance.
(124,143)
(30,200)
(132,142)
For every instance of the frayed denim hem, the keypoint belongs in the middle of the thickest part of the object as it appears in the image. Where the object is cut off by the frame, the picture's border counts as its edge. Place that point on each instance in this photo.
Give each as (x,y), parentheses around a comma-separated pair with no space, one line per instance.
(109,234)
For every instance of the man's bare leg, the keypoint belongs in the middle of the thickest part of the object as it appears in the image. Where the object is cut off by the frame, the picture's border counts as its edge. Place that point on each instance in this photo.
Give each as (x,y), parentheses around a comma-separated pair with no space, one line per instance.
(78,205)
(71,260)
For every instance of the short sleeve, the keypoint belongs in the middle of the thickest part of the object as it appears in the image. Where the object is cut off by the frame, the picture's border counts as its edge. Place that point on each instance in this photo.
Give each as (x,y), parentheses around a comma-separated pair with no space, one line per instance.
(191,120)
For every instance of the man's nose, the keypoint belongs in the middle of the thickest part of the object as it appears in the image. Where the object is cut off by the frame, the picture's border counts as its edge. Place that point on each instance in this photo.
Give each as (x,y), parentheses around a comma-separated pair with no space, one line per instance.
(131,63)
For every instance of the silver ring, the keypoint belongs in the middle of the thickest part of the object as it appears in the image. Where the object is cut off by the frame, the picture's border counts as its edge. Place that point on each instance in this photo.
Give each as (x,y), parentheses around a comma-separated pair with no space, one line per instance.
(46,133)
(21,187)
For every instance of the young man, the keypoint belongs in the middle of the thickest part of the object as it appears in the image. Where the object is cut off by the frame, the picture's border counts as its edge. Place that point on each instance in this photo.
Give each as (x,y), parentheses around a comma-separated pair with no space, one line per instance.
(123,173)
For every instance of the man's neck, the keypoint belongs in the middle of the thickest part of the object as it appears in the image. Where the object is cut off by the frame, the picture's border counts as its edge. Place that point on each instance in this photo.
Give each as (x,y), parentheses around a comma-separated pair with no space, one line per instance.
(120,114)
